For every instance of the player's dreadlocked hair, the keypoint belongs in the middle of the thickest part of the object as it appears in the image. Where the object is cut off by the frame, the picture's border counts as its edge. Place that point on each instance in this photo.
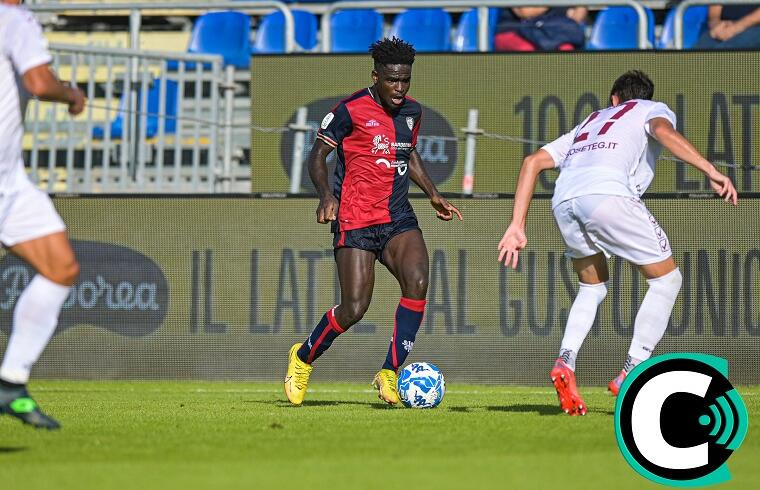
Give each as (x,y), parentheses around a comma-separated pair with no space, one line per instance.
(634,84)
(392,52)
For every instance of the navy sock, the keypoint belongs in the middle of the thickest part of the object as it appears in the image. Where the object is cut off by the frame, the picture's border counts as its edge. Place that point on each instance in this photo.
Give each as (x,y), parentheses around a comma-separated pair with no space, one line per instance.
(321,338)
(408,320)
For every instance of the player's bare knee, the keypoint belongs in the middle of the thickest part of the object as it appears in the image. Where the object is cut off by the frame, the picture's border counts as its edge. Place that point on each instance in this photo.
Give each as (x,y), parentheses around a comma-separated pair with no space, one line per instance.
(65,273)
(416,287)
(354,311)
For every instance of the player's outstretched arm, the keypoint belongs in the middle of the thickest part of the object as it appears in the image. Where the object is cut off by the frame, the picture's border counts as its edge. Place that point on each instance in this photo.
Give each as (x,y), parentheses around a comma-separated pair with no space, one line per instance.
(662,130)
(41,82)
(443,209)
(514,238)
(327,209)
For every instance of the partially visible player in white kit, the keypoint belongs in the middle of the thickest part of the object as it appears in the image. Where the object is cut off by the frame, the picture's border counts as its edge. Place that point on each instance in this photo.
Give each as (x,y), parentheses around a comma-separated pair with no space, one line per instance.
(605,164)
(29,224)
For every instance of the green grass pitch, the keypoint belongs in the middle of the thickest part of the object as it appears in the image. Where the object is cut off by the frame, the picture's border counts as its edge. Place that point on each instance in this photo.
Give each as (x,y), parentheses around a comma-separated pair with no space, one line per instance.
(203,435)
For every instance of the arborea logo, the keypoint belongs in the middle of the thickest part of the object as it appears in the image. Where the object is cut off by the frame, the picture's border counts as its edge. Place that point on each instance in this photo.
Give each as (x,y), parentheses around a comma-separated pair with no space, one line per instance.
(118,289)
(678,419)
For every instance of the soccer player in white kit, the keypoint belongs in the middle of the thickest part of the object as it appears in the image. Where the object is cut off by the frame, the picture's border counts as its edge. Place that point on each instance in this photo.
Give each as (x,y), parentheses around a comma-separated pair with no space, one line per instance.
(29,224)
(605,164)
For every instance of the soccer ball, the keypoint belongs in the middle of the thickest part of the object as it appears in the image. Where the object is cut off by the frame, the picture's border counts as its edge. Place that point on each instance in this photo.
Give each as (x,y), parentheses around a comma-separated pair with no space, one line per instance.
(421,385)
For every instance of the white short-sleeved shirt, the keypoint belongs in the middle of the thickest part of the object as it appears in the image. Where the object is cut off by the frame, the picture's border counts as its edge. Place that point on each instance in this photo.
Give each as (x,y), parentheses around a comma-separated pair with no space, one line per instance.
(22,47)
(611,152)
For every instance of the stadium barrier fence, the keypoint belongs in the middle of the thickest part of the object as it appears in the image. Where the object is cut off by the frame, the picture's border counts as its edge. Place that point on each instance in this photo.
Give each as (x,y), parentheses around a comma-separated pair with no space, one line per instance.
(154,122)
(220,287)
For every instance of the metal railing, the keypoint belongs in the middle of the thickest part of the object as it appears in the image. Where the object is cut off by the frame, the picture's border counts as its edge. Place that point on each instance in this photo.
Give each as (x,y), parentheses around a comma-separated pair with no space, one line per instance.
(154,121)
(136,10)
(685,4)
(482,6)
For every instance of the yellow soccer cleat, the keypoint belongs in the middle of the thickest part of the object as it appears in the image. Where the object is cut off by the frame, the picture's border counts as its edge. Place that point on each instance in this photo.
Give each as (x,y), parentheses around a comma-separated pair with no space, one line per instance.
(385,383)
(297,378)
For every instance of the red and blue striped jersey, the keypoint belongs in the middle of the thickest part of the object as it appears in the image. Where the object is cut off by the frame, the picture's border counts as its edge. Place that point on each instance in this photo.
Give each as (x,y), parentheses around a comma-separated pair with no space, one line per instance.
(373,151)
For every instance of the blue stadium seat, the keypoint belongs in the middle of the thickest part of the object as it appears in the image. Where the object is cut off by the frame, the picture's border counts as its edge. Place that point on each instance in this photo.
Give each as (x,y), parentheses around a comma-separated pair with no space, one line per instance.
(270,36)
(426,29)
(466,35)
(354,30)
(694,22)
(617,28)
(151,130)
(226,33)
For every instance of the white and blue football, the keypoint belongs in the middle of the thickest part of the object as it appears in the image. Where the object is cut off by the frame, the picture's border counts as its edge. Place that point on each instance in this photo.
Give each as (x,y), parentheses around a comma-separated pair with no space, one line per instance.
(421,385)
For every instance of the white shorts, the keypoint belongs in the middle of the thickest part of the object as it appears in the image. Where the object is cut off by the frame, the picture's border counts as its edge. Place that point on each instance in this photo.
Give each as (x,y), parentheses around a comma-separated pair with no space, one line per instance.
(613,225)
(27,213)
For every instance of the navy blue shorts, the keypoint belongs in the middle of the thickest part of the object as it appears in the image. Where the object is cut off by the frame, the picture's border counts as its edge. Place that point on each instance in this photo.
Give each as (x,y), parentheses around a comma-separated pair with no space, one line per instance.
(373,238)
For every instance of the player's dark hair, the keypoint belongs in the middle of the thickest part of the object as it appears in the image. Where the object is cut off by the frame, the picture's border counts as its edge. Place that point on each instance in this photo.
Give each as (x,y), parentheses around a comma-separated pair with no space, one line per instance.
(634,84)
(392,52)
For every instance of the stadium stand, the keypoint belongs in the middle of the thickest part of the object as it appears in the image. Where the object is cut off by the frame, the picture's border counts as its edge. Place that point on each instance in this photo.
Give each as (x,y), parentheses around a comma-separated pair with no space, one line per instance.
(694,22)
(355,30)
(466,34)
(225,33)
(270,33)
(426,29)
(170,110)
(238,34)
(616,28)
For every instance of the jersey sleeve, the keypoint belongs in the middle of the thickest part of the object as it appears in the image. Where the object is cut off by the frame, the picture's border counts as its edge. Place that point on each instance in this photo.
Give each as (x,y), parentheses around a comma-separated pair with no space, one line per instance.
(659,109)
(24,42)
(335,126)
(558,148)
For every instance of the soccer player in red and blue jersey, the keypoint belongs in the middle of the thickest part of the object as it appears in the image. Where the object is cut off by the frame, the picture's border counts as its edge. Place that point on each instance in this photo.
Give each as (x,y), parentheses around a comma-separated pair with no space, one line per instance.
(375,134)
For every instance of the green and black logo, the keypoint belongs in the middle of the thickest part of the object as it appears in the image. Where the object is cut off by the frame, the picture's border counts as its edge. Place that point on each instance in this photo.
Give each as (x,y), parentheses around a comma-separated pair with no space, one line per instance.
(678,419)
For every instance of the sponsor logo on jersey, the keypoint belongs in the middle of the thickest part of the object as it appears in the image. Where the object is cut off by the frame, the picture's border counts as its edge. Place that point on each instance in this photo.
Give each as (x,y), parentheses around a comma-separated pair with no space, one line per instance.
(372,123)
(327,120)
(381,144)
(400,165)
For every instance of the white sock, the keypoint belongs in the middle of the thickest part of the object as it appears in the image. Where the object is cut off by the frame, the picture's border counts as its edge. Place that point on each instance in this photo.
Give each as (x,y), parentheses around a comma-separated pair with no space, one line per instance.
(34,320)
(580,319)
(654,313)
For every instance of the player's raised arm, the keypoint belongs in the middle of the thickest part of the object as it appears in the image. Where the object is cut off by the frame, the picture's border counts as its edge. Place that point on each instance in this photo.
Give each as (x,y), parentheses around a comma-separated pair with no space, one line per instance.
(443,209)
(514,238)
(328,205)
(664,132)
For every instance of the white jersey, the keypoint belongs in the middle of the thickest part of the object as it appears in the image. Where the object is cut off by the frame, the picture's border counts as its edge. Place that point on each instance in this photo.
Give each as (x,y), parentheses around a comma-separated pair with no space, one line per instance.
(611,152)
(22,47)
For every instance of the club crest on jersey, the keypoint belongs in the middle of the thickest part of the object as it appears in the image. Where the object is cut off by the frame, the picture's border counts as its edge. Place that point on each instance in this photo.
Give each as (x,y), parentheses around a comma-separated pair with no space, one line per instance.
(381,144)
(410,122)
(327,120)
(400,165)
